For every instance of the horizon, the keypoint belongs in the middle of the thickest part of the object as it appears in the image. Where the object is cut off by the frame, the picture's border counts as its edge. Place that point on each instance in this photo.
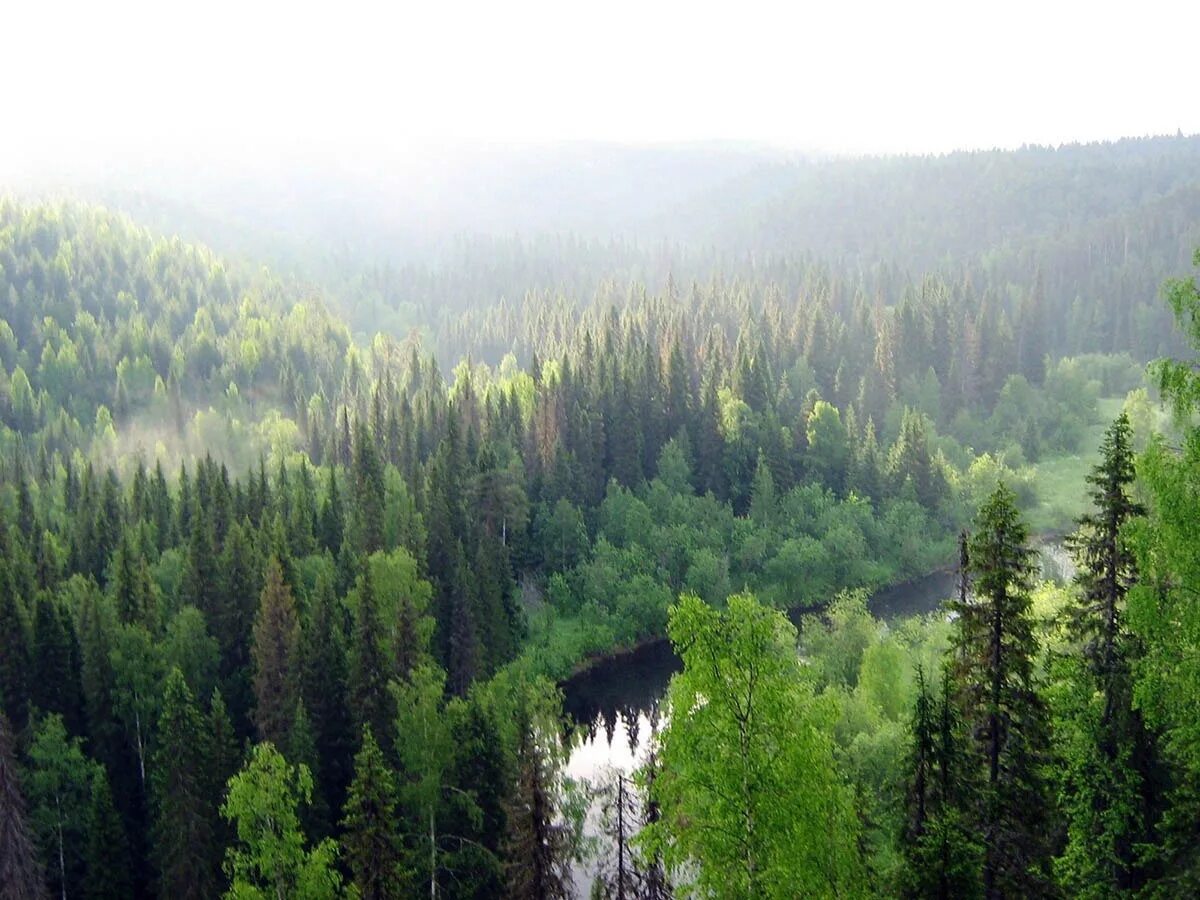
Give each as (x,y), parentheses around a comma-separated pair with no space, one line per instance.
(136,85)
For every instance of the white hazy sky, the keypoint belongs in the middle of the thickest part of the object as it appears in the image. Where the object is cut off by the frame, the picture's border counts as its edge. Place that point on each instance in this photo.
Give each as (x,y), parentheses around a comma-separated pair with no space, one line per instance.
(240,80)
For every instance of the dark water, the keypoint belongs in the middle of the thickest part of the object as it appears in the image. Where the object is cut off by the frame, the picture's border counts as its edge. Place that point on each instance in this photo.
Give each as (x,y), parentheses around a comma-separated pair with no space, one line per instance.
(614,705)
(613,700)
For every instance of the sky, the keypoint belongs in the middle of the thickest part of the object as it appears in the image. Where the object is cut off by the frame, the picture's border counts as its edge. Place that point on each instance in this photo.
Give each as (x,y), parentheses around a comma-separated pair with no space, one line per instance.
(264,81)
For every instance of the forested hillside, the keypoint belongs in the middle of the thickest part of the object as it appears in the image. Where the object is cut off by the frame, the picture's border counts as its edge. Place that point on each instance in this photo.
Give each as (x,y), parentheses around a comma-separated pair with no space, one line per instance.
(294,563)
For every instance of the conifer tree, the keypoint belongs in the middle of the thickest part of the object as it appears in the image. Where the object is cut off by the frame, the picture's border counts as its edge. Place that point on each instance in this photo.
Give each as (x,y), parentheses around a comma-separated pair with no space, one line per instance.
(55,683)
(276,658)
(184,808)
(324,676)
(370,843)
(994,652)
(108,865)
(619,877)
(369,492)
(132,588)
(238,587)
(538,845)
(1108,774)
(14,647)
(370,701)
(942,857)
(20,869)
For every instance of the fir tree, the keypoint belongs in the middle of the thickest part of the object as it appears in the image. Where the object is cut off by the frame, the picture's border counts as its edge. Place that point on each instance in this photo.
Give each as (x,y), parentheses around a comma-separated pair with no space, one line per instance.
(324,676)
(537,846)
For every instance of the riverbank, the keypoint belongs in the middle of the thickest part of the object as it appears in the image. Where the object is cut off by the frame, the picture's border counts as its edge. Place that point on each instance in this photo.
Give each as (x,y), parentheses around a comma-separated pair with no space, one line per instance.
(901,599)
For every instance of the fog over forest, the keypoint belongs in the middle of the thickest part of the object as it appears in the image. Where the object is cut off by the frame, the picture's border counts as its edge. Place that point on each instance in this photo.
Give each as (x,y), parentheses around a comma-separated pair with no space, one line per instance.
(627,454)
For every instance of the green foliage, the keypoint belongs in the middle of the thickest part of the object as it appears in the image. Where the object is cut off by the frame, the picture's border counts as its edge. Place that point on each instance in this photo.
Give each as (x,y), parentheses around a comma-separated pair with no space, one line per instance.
(752,802)
(270,858)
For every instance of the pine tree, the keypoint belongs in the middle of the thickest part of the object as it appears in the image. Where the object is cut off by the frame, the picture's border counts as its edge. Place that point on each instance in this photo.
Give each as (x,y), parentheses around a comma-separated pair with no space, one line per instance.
(276,658)
(132,588)
(942,857)
(369,492)
(370,843)
(239,585)
(20,869)
(995,646)
(55,683)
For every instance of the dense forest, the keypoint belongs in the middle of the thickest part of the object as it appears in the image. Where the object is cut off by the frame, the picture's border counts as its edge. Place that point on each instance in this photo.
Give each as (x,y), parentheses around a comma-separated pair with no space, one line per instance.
(295,560)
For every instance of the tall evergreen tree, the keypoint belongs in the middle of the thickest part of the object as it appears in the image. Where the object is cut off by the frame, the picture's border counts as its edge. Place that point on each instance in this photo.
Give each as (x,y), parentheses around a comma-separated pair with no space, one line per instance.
(20,869)
(108,865)
(371,703)
(324,676)
(184,808)
(276,654)
(370,842)
(1109,775)
(994,651)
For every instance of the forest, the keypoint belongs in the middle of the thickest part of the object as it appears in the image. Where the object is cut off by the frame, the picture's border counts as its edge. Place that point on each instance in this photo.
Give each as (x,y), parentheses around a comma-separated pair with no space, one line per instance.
(301,550)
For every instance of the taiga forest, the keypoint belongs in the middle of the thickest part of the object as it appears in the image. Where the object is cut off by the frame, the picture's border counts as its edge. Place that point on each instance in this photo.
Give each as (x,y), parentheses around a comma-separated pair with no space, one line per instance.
(621,514)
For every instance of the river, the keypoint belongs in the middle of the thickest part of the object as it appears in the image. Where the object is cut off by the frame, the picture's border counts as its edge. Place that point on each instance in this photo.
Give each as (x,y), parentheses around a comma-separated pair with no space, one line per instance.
(614,704)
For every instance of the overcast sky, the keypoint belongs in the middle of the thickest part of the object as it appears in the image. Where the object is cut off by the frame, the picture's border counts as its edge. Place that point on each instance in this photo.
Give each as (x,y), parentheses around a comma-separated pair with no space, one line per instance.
(249,80)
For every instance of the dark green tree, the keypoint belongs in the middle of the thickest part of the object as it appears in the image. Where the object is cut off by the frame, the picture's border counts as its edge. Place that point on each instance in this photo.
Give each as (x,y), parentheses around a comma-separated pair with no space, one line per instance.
(184,808)
(276,654)
(370,843)
(20,869)
(993,650)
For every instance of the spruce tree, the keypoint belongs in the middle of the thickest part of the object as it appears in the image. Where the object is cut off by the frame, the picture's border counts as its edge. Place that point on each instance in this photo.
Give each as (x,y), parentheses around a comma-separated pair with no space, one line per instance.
(324,677)
(941,855)
(1108,772)
(370,701)
(239,584)
(537,845)
(14,646)
(276,654)
(108,865)
(184,808)
(994,652)
(370,843)
(620,877)
(20,868)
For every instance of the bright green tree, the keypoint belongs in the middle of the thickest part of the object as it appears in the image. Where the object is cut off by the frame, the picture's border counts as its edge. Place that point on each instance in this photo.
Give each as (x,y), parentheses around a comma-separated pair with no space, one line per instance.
(270,858)
(752,803)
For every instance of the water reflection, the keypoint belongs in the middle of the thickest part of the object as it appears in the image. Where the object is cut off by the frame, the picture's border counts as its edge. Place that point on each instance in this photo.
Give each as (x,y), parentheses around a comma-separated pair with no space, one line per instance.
(611,709)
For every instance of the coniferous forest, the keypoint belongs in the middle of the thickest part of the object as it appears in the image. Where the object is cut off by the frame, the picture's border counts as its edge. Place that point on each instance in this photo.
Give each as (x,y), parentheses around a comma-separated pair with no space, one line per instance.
(302,546)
